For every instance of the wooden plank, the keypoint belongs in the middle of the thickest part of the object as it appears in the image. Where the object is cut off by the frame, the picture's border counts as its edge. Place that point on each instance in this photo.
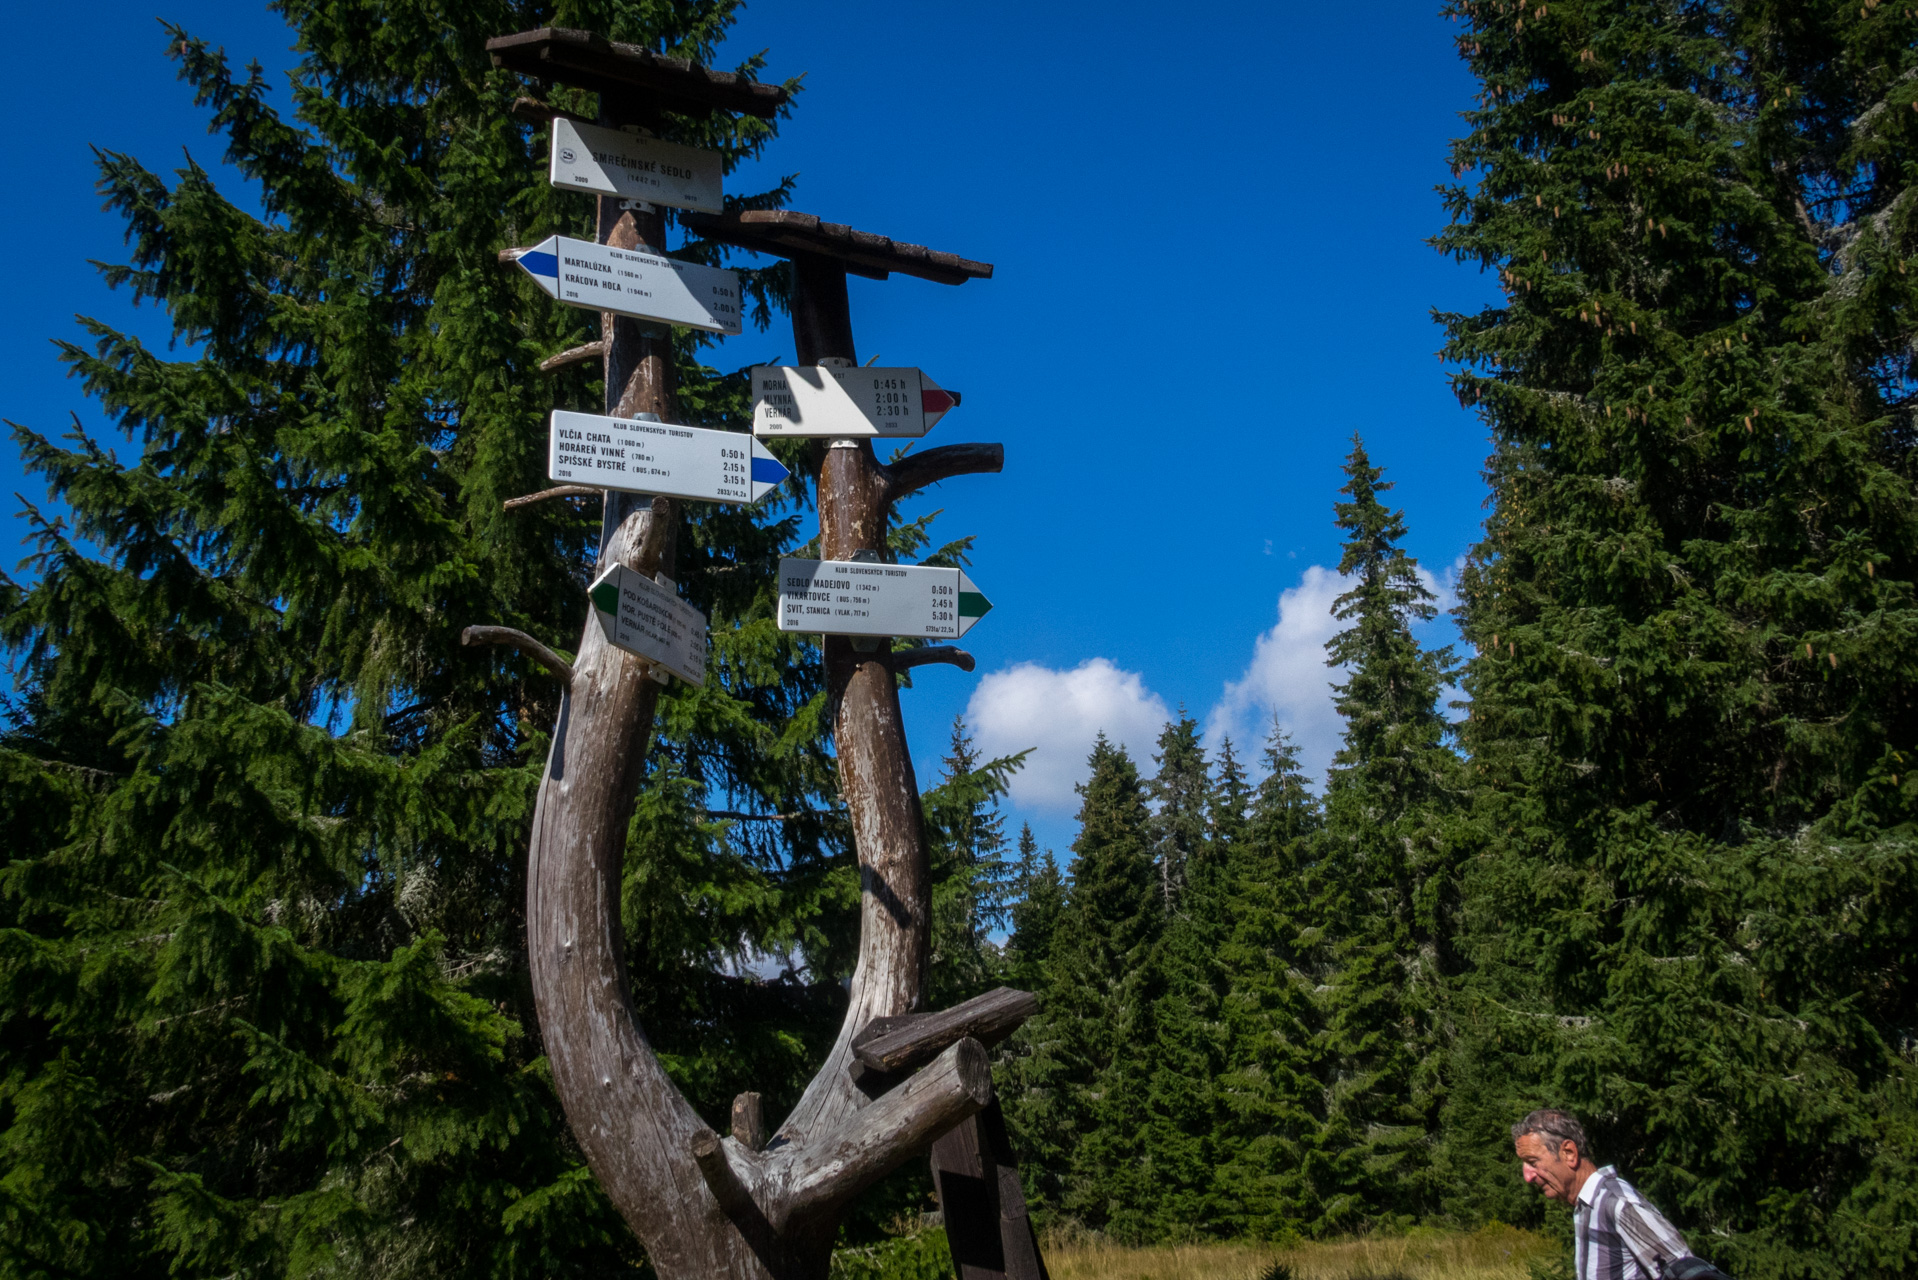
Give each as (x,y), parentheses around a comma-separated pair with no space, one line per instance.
(977,1180)
(787,233)
(847,1157)
(965,1178)
(587,60)
(899,1044)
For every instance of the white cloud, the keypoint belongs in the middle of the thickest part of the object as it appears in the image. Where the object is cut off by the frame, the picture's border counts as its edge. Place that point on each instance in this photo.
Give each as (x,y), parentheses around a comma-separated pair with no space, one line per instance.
(1445,586)
(1287,677)
(1058,714)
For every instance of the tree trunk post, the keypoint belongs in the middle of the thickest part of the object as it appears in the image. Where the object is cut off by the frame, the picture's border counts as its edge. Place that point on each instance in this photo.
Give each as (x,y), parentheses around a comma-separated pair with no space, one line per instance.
(875,767)
(989,1233)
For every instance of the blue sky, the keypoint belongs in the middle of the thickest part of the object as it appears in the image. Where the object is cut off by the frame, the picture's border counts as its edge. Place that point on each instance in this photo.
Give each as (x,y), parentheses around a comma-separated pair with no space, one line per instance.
(1211,270)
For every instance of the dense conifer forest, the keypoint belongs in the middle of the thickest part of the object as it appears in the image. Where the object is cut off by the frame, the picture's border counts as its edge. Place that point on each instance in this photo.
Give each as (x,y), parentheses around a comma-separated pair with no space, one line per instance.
(1642,847)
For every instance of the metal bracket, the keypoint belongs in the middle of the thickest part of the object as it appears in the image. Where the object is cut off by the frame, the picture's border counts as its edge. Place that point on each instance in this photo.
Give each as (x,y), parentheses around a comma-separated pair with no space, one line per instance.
(836,362)
(638,206)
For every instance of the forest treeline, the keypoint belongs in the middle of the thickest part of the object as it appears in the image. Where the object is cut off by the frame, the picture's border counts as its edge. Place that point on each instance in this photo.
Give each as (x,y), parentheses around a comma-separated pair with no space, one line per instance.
(263,997)
(1243,1025)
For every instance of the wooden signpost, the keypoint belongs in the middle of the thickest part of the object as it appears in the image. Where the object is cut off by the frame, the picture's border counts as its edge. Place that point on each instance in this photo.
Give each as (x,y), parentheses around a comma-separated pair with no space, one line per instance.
(740,1206)
(990,1235)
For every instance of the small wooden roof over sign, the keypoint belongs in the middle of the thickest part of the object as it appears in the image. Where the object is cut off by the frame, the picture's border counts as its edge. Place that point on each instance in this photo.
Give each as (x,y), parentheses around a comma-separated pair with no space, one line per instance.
(784,233)
(589,61)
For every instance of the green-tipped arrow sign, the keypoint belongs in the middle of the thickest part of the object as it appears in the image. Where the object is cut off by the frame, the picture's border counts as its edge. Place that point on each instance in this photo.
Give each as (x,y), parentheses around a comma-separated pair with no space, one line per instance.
(864,598)
(649,619)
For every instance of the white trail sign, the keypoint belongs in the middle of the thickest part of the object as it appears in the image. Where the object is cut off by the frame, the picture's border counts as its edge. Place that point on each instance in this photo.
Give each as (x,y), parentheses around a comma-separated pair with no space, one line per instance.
(633,283)
(611,162)
(821,400)
(865,598)
(660,457)
(648,618)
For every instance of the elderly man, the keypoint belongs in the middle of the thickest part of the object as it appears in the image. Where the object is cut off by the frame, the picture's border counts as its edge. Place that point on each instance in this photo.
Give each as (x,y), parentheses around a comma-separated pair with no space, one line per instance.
(1620,1236)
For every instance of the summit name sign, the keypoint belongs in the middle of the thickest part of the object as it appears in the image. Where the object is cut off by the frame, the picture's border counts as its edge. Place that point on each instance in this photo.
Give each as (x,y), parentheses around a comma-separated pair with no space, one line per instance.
(612,162)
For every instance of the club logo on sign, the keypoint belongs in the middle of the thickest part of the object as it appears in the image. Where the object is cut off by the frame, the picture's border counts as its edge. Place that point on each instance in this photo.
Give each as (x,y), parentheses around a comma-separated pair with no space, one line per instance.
(567,155)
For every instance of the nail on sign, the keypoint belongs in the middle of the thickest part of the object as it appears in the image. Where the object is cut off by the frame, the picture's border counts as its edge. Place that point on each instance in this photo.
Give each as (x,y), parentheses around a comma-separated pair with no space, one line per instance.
(648,618)
(661,458)
(865,598)
(645,286)
(819,400)
(612,162)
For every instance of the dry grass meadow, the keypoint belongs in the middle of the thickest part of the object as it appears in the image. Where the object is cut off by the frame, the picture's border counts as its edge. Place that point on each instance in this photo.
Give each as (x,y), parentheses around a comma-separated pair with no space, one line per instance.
(1494,1253)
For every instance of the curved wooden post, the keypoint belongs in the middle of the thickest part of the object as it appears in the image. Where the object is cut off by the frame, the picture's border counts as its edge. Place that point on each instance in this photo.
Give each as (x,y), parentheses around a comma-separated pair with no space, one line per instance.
(631,1122)
(706,1206)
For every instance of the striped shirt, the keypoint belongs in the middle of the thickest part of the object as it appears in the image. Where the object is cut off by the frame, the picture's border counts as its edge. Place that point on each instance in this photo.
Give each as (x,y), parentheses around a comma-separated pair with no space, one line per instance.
(1620,1236)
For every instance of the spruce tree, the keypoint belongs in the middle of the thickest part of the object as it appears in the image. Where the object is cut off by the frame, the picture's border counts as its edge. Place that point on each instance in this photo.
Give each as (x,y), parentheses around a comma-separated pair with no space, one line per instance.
(1080,1089)
(1038,898)
(1028,1070)
(1382,888)
(265,1006)
(971,880)
(1228,804)
(1180,1137)
(1270,1100)
(1693,718)
(1180,792)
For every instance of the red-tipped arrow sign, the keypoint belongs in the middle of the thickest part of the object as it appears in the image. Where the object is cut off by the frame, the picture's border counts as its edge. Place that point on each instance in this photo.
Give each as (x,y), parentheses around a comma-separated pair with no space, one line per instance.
(821,400)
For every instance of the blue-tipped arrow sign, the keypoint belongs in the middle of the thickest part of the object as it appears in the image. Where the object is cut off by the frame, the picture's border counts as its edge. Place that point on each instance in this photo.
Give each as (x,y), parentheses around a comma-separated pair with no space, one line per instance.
(660,457)
(634,283)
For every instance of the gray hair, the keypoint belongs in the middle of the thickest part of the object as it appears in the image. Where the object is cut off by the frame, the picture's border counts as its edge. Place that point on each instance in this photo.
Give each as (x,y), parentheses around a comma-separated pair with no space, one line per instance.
(1558,1126)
